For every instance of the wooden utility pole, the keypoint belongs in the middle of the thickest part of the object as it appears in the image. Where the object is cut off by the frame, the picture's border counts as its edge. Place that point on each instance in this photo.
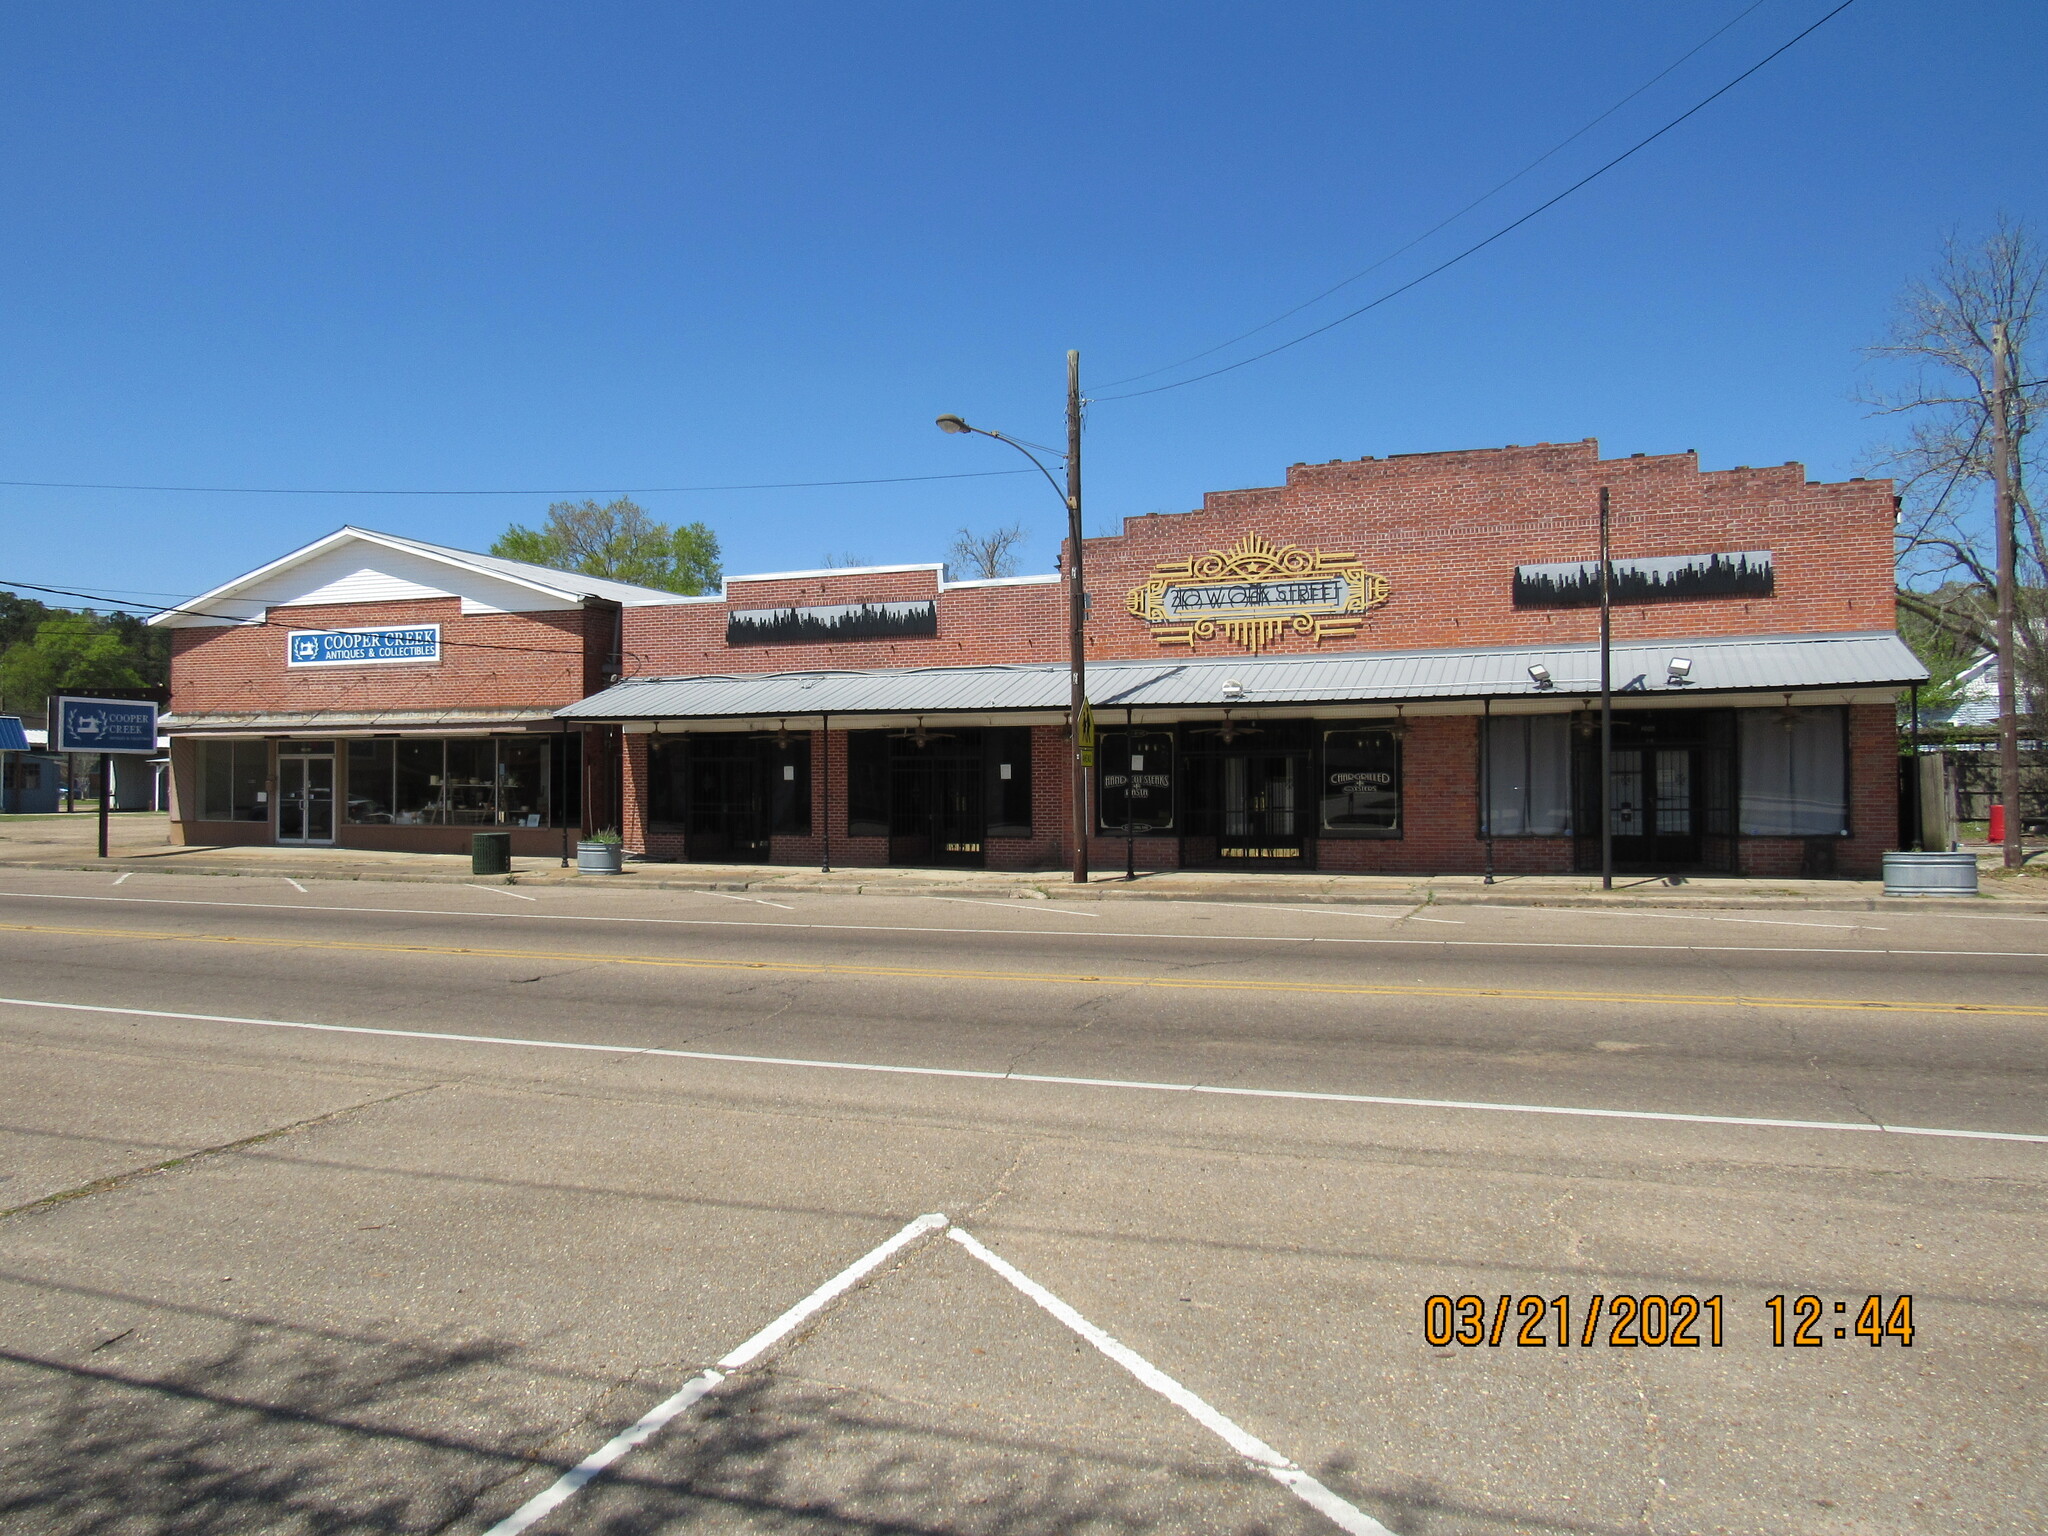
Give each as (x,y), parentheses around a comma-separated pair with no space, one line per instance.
(1606,704)
(2002,514)
(1077,620)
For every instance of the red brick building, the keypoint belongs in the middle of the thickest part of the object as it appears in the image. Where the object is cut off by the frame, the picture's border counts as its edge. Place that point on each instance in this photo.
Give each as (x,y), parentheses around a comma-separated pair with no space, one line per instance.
(1383,664)
(370,691)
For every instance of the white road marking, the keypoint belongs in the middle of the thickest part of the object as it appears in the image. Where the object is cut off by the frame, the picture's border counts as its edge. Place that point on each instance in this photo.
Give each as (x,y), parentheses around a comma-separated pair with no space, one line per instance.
(499,890)
(657,1418)
(972,1074)
(1258,1455)
(1266,906)
(1692,917)
(756,900)
(288,880)
(1456,922)
(119,878)
(1085,933)
(1036,908)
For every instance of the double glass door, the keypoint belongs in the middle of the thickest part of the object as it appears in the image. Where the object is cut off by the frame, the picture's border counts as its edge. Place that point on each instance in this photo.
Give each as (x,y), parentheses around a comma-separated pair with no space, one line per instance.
(1264,812)
(1654,812)
(305,799)
(936,811)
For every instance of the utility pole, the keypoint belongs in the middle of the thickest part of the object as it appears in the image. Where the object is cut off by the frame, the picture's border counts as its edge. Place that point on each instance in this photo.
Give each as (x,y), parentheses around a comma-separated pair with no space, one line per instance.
(1077,616)
(106,795)
(1606,704)
(2002,514)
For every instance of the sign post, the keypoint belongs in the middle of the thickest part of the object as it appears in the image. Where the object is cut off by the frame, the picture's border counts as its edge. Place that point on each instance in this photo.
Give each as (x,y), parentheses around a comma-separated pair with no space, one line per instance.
(110,728)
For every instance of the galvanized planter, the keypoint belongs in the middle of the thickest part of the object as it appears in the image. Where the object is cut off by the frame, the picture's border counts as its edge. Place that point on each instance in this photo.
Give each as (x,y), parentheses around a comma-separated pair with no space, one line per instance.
(600,859)
(1930,874)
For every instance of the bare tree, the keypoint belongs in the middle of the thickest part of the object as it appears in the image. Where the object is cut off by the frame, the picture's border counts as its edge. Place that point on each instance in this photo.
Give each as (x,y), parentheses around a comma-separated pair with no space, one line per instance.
(987,555)
(1940,343)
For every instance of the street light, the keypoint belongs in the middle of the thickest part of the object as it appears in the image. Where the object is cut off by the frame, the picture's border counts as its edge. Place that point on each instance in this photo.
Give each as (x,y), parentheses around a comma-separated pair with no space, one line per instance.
(1077,600)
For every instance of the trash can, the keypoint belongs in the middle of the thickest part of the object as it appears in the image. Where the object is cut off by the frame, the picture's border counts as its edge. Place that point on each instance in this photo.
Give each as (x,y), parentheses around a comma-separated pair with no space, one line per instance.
(490,853)
(1930,874)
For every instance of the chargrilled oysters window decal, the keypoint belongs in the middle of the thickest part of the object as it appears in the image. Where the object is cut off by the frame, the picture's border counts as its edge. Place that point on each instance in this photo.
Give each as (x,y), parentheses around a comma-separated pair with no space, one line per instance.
(1254,592)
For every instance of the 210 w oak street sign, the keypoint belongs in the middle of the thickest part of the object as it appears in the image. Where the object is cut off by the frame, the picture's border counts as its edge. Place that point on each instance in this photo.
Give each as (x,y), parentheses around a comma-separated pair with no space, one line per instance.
(1255,591)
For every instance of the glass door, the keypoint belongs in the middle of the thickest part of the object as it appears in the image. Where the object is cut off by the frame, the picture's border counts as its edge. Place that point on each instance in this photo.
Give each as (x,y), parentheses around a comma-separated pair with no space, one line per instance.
(937,814)
(305,799)
(1262,806)
(1655,825)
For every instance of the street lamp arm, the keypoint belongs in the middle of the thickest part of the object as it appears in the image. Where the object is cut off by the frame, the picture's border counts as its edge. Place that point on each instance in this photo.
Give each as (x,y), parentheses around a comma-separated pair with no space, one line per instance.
(984,432)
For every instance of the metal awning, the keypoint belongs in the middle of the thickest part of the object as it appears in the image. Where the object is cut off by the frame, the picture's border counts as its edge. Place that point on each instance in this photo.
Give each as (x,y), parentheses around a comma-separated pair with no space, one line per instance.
(12,737)
(1756,664)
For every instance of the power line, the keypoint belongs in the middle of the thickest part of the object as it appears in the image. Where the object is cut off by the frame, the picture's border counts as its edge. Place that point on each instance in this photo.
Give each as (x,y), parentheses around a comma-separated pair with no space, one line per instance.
(630,490)
(1486,196)
(1505,229)
(241,621)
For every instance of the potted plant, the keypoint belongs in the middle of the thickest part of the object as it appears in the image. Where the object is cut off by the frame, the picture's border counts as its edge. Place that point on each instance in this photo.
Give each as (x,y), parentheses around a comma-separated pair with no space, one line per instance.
(601,853)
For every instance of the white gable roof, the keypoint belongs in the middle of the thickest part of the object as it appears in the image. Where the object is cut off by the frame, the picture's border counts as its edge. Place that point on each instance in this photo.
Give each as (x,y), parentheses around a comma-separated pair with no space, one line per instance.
(359,565)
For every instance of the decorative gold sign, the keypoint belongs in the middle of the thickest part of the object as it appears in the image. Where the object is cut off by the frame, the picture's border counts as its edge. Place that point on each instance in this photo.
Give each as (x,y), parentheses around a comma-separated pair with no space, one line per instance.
(1255,591)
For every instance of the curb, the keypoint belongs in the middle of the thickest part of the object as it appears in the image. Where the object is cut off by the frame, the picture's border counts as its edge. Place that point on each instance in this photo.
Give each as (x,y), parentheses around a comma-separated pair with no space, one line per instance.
(1855,897)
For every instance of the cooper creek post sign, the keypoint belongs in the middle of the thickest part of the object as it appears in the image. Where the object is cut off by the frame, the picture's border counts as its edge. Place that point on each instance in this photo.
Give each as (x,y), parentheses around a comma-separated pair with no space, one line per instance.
(105,725)
(1254,592)
(362,647)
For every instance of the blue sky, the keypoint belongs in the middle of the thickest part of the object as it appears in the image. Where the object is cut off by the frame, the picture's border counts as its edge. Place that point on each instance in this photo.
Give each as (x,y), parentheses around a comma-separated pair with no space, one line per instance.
(578,248)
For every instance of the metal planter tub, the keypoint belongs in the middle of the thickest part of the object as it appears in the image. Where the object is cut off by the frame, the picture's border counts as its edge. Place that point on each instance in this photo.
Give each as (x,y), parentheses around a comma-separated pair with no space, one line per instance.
(1930,874)
(600,859)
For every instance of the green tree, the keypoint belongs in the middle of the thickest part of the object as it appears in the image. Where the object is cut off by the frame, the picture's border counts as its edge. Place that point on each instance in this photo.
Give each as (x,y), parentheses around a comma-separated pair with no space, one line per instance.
(19,617)
(70,651)
(619,541)
(1943,647)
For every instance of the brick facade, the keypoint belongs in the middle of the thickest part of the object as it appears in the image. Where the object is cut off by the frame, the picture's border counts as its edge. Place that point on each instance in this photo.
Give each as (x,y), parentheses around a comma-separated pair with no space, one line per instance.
(1445,531)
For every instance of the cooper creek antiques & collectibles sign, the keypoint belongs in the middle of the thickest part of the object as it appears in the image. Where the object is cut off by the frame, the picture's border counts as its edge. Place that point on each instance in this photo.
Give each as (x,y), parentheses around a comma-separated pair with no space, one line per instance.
(1254,592)
(104,725)
(362,647)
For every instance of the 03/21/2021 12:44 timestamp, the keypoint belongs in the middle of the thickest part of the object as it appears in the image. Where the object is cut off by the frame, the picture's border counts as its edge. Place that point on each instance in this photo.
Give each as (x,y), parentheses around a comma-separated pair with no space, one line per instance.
(1653,1321)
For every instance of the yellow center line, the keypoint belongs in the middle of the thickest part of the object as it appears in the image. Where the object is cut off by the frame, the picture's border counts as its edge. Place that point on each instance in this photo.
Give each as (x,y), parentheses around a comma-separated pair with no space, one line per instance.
(1174,983)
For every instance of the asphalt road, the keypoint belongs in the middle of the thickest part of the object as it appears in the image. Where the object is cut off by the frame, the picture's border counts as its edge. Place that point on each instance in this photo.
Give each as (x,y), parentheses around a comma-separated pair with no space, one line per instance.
(555,1154)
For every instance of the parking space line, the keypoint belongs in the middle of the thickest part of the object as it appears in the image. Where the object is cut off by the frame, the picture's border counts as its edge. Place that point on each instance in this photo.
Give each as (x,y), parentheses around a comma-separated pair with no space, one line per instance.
(1258,1455)
(288,880)
(1696,917)
(700,1386)
(124,876)
(499,890)
(978,1075)
(1036,909)
(1267,906)
(756,900)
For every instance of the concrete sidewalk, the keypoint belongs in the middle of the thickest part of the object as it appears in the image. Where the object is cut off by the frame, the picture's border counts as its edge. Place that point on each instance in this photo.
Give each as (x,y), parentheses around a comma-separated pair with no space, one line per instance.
(138,843)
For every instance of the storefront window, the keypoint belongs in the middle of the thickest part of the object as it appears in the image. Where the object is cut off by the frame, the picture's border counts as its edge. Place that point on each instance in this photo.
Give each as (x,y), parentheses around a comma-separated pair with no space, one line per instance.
(667,782)
(1794,773)
(867,784)
(417,799)
(234,781)
(730,792)
(1361,789)
(467,781)
(1136,788)
(472,782)
(369,782)
(1528,777)
(522,781)
(789,784)
(1008,796)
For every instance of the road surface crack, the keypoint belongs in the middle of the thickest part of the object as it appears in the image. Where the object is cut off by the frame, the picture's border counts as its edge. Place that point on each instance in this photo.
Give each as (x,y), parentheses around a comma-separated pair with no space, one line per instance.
(114,1181)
